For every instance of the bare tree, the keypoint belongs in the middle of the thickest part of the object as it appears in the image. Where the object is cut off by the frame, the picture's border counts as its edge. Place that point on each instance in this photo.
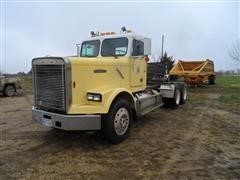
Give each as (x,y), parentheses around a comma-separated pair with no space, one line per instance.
(235,52)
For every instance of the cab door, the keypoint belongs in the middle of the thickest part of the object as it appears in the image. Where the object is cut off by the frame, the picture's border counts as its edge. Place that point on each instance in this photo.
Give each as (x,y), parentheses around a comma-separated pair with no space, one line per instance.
(137,65)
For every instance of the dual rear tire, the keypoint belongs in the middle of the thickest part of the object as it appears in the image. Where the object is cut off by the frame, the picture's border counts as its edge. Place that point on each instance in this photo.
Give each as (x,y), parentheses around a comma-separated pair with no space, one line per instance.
(183,95)
(180,97)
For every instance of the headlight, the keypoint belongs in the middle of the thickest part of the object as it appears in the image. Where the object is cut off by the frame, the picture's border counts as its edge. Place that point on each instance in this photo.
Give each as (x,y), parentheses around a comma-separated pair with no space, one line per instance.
(94,97)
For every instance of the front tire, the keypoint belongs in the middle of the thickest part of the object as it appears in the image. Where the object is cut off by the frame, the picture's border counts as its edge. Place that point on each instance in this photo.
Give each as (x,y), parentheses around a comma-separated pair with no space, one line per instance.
(9,91)
(117,123)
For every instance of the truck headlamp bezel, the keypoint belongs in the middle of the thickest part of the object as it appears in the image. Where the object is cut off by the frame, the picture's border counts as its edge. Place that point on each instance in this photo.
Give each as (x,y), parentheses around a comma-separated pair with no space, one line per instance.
(94,97)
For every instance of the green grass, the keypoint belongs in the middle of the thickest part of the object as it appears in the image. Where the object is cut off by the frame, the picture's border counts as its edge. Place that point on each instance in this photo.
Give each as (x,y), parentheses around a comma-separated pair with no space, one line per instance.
(27,84)
(27,80)
(230,89)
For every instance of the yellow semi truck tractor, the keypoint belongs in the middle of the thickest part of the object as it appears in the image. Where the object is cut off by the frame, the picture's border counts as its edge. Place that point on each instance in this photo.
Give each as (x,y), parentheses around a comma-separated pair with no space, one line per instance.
(103,88)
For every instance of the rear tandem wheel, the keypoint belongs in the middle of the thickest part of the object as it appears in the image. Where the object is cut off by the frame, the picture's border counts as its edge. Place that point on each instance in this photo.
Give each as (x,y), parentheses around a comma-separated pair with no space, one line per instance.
(175,101)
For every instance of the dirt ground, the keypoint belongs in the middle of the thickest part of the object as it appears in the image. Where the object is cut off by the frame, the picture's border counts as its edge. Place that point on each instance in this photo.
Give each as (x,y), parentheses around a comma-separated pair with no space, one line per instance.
(200,140)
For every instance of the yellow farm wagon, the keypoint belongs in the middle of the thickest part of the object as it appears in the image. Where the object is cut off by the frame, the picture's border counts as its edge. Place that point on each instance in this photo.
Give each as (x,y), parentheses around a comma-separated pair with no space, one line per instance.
(194,72)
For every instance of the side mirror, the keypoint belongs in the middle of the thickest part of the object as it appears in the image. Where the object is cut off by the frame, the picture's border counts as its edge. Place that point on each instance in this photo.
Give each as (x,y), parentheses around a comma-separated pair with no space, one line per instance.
(147,46)
(78,49)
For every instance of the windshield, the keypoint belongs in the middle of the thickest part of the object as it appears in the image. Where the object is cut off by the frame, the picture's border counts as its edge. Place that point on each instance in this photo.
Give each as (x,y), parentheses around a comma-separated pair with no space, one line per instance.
(90,48)
(114,47)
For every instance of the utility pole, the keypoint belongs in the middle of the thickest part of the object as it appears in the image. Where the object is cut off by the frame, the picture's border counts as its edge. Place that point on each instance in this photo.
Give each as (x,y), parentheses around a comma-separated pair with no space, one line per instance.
(162,45)
(166,66)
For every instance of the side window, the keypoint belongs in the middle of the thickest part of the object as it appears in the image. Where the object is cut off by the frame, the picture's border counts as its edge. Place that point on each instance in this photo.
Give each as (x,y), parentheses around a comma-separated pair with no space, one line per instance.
(90,48)
(138,48)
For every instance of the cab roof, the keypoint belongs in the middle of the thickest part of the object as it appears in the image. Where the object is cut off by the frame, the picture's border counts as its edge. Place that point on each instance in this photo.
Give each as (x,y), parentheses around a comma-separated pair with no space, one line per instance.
(120,35)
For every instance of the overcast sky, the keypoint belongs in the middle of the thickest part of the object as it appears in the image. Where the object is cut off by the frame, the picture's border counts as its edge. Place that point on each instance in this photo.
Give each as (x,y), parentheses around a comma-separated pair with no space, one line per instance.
(193,30)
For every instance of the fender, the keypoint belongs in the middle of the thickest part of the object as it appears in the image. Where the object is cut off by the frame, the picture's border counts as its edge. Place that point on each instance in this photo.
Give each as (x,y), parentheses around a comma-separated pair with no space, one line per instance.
(115,93)
(92,107)
(108,96)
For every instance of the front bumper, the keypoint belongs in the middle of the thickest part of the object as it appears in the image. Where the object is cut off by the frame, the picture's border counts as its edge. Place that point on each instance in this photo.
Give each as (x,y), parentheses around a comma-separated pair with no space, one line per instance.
(66,122)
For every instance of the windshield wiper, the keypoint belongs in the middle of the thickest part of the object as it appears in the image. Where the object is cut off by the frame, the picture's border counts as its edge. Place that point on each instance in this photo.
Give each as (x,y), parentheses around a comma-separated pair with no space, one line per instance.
(114,55)
(107,53)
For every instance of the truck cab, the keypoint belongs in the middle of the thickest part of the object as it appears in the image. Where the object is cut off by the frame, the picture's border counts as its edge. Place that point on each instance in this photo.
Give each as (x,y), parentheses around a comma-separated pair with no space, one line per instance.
(103,88)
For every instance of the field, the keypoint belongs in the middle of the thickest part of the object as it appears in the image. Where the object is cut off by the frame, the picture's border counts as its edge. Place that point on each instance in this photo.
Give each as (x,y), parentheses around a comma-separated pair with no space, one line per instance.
(199,140)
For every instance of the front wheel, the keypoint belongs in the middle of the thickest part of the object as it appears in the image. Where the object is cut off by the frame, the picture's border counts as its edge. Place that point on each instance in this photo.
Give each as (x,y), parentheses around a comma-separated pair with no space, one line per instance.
(9,90)
(117,123)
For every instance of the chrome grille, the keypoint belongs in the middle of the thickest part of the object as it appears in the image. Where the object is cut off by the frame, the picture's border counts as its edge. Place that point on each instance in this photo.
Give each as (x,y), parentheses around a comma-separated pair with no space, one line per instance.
(49,85)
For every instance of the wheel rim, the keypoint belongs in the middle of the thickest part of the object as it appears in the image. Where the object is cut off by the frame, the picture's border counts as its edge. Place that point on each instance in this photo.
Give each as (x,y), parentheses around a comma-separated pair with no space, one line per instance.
(184,93)
(121,121)
(177,99)
(10,91)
